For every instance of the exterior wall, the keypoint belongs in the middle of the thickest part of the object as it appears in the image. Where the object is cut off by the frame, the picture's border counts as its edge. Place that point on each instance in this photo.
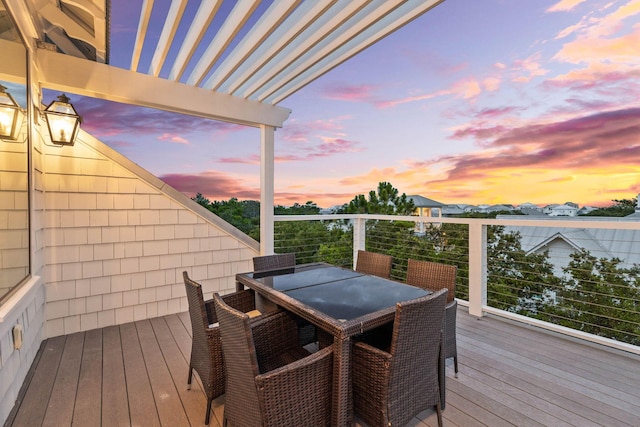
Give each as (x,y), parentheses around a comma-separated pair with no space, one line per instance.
(118,239)
(109,243)
(26,307)
(559,255)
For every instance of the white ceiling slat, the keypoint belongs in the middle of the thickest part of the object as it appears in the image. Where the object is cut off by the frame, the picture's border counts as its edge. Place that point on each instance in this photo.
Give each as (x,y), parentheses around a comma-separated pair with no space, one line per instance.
(359,22)
(290,44)
(174,16)
(285,35)
(58,18)
(396,19)
(234,22)
(205,14)
(277,12)
(145,16)
(63,43)
(331,20)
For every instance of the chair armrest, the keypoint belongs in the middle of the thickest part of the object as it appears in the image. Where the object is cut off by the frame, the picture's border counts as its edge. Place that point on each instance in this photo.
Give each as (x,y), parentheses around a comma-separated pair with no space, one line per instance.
(299,393)
(244,301)
(368,359)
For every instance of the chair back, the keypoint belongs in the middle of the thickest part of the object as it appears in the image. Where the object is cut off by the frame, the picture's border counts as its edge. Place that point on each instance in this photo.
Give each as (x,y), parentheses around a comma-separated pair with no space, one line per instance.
(432,276)
(274,262)
(374,263)
(241,400)
(197,312)
(415,351)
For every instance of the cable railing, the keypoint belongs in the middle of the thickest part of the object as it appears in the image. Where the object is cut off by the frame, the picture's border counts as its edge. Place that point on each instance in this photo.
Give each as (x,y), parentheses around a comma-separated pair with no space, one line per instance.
(577,277)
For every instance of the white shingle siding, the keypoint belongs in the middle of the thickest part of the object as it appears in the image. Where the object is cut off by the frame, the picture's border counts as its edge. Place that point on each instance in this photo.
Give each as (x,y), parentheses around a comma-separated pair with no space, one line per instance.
(116,245)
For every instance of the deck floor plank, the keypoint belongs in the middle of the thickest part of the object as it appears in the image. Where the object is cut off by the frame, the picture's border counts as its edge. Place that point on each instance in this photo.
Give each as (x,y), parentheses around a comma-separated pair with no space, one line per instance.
(510,375)
(142,406)
(592,411)
(33,405)
(88,407)
(584,361)
(114,385)
(165,393)
(194,401)
(63,395)
(597,389)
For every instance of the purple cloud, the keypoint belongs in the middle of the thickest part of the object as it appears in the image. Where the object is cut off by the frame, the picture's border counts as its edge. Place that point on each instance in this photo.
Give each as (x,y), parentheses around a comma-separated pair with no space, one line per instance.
(355,93)
(106,119)
(213,185)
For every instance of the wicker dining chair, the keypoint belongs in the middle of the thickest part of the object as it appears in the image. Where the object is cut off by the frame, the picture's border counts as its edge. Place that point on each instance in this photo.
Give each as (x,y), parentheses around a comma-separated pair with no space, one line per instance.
(271,379)
(435,276)
(394,384)
(206,350)
(374,263)
(264,263)
(274,262)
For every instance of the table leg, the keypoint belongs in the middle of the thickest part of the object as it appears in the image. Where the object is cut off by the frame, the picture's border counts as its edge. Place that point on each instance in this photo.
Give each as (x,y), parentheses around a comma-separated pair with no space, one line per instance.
(342,406)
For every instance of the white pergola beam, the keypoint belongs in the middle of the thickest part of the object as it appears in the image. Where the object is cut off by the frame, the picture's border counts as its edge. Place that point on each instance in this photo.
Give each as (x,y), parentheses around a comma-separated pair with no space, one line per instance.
(169,29)
(332,19)
(268,22)
(232,25)
(205,14)
(145,16)
(366,32)
(87,78)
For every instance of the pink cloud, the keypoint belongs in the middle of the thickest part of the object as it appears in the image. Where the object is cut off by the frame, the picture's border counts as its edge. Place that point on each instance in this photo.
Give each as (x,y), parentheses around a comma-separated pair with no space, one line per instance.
(253,159)
(296,131)
(172,138)
(527,69)
(355,93)
(107,119)
(467,88)
(564,5)
(599,139)
(213,185)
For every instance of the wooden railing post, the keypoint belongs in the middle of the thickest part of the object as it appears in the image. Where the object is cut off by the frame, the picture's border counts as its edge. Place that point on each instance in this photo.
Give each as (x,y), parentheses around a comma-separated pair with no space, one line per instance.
(359,236)
(477,268)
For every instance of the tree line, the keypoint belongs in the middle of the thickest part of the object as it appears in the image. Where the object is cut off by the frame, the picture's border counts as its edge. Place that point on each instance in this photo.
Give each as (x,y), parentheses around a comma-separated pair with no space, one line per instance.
(594,295)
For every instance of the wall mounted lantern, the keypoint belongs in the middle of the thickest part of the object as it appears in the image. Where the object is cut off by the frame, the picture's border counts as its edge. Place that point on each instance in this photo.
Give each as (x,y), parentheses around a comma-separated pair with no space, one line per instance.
(9,112)
(63,121)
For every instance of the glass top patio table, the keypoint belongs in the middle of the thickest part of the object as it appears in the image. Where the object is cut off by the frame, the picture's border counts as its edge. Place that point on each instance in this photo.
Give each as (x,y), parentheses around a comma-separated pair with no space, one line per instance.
(355,296)
(340,301)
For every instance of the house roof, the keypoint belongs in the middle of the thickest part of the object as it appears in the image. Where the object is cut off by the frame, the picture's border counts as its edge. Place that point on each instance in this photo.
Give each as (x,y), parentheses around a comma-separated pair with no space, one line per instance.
(245,54)
(600,242)
(424,202)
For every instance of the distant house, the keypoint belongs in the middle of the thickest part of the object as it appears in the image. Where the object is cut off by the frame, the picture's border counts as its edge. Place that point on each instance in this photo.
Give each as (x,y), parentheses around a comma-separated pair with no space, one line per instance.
(586,209)
(561,242)
(427,208)
(453,209)
(563,210)
(529,207)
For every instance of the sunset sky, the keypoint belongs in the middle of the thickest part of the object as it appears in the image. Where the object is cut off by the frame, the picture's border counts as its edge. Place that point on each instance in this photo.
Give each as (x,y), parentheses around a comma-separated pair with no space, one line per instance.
(492,101)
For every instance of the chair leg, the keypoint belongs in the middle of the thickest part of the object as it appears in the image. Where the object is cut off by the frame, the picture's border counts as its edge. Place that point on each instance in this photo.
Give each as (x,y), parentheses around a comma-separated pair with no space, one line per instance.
(439,414)
(455,365)
(206,419)
(189,379)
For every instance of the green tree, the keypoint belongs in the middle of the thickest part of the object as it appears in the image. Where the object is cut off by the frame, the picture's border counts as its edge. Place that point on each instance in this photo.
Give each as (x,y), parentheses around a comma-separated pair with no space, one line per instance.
(516,281)
(308,208)
(599,296)
(622,207)
(385,201)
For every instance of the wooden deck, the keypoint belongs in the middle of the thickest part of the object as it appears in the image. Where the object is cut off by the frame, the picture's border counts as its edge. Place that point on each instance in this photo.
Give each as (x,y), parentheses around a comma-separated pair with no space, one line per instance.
(510,375)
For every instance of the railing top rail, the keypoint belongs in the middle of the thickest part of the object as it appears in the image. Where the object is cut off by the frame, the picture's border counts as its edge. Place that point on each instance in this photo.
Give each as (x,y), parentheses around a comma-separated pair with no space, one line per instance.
(595,222)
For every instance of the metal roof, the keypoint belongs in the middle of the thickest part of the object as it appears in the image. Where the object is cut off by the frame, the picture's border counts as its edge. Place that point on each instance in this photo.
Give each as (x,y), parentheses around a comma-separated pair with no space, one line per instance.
(253,50)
